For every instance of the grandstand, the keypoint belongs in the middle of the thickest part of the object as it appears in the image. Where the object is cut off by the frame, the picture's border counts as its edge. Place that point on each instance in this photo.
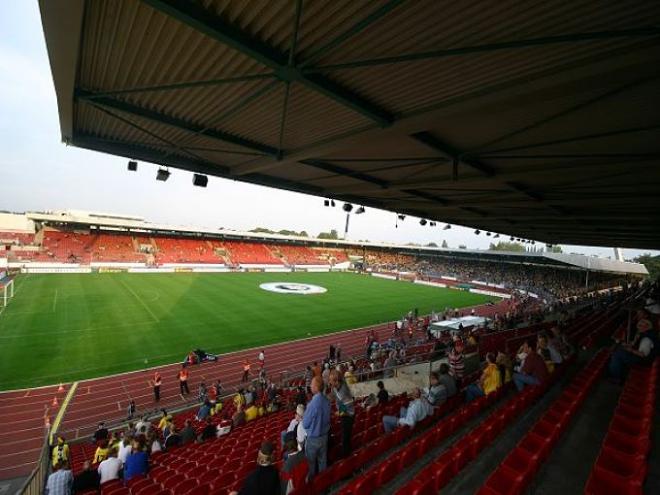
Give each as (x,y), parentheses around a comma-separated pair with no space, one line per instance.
(536,121)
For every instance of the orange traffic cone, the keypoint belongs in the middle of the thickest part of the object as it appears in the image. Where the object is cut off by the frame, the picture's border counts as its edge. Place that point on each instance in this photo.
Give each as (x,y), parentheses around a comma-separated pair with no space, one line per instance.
(55,401)
(60,388)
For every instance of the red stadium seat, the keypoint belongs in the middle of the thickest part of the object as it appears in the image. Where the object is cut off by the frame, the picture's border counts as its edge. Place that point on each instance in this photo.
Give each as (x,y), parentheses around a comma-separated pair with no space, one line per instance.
(505,481)
(520,461)
(386,472)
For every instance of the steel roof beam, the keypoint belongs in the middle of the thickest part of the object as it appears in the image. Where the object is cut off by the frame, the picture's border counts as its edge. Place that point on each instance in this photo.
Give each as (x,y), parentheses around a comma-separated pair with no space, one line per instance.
(185,85)
(647,32)
(214,27)
(345,172)
(131,109)
(450,152)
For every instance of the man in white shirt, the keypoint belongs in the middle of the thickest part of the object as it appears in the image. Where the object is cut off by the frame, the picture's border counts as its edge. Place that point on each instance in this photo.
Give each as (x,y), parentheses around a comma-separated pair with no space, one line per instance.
(416,411)
(109,469)
(296,426)
(636,352)
(125,448)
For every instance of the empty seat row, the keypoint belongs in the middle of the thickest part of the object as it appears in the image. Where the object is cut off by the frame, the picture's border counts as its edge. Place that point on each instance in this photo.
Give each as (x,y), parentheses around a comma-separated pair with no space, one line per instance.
(622,463)
(519,467)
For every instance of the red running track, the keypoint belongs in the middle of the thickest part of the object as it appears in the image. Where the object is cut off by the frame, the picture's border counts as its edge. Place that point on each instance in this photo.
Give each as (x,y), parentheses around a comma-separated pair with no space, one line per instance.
(106,399)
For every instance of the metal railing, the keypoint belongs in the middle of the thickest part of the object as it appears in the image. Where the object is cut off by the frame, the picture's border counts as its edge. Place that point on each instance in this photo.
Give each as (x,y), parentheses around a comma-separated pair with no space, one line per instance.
(36,482)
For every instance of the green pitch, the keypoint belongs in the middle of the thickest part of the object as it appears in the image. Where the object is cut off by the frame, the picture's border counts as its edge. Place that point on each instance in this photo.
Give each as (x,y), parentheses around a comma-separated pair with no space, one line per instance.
(69,327)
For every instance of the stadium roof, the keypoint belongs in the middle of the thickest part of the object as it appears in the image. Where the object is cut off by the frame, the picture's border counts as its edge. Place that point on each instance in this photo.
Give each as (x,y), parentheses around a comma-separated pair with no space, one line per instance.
(137,224)
(539,120)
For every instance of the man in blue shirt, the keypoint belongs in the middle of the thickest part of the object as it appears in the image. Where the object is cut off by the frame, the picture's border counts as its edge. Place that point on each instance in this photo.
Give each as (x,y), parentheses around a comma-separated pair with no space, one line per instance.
(316,422)
(61,481)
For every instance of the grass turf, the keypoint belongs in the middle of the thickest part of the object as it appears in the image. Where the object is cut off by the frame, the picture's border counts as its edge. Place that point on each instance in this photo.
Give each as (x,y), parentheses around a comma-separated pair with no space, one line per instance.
(75,326)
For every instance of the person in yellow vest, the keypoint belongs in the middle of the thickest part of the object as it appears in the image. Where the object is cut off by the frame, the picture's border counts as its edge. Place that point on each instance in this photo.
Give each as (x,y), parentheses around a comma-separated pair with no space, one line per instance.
(165,421)
(101,453)
(506,366)
(349,376)
(489,382)
(239,399)
(251,413)
(60,451)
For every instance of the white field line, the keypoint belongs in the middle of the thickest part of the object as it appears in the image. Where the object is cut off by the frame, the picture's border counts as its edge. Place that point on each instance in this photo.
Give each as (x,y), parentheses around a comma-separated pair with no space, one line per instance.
(144,305)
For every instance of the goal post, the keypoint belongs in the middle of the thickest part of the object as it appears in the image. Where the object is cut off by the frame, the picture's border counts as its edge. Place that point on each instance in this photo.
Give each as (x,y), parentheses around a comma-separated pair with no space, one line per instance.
(7,293)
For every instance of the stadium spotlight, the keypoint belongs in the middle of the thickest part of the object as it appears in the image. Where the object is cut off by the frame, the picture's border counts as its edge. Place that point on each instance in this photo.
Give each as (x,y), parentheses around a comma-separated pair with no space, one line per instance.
(496,236)
(200,180)
(447,227)
(431,224)
(326,202)
(360,210)
(162,174)
(422,221)
(347,207)
(512,239)
(488,234)
(332,203)
(132,165)
(401,217)
(477,232)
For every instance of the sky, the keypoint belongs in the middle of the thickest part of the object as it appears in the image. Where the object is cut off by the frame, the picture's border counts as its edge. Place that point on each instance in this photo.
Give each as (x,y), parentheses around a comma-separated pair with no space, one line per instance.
(38,172)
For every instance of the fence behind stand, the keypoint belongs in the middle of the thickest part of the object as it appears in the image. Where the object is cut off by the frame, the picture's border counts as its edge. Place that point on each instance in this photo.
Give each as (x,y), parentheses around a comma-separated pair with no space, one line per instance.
(36,482)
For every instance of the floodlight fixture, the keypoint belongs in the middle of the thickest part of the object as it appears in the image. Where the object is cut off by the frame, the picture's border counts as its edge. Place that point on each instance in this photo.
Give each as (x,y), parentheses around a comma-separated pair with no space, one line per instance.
(162,174)
(401,217)
(488,234)
(200,180)
(496,236)
(347,207)
(422,221)
(132,165)
(477,232)
(326,202)
(447,227)
(432,224)
(360,210)
(332,203)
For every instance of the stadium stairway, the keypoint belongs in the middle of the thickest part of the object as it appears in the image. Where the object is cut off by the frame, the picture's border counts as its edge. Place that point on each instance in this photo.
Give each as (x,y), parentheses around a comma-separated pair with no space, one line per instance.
(518,469)
(622,463)
(445,465)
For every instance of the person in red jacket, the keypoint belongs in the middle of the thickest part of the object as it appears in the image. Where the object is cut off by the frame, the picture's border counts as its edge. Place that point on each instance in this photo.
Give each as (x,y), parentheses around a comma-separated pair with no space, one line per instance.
(533,371)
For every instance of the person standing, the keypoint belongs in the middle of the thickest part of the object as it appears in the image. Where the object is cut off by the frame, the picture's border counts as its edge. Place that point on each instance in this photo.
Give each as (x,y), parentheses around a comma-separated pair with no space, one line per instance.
(60,451)
(130,410)
(61,481)
(345,409)
(262,359)
(183,381)
(246,372)
(457,361)
(316,422)
(158,381)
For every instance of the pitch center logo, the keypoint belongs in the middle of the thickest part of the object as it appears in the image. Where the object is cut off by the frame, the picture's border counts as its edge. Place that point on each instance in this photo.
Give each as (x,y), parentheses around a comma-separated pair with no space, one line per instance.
(293,288)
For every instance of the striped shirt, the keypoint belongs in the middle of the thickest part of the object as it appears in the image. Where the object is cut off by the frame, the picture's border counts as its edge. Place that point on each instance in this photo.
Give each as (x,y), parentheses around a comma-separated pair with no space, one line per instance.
(456,364)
